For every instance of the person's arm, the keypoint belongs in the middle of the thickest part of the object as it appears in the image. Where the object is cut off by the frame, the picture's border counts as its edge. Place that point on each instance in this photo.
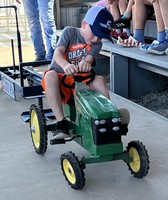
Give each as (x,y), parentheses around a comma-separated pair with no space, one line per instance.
(69,69)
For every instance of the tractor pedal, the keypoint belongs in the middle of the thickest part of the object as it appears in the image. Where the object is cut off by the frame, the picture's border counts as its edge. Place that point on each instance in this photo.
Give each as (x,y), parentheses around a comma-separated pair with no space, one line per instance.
(57,141)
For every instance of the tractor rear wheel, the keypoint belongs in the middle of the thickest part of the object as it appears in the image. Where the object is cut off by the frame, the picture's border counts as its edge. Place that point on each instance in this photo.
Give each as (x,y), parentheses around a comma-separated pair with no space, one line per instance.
(38,129)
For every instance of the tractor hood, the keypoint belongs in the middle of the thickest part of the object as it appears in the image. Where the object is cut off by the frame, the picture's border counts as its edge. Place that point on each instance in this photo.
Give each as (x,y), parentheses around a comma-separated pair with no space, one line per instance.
(92,104)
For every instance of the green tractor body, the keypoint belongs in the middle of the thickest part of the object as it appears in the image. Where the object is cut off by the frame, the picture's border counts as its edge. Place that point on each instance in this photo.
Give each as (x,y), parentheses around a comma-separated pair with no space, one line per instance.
(97,123)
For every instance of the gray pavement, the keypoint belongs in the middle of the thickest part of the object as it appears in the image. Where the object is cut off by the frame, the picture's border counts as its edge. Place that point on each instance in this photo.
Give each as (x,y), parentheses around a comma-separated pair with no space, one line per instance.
(25,175)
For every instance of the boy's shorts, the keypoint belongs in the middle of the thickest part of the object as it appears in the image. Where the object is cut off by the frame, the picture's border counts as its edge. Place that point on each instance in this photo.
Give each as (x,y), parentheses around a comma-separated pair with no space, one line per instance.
(66,93)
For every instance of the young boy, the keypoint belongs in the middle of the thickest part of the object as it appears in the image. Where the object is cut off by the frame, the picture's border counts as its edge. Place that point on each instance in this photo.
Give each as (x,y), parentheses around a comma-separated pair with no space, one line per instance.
(76,50)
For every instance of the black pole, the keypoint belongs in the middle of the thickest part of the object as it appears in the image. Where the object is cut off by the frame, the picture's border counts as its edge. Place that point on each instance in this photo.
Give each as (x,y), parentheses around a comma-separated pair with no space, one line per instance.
(18,32)
(13,55)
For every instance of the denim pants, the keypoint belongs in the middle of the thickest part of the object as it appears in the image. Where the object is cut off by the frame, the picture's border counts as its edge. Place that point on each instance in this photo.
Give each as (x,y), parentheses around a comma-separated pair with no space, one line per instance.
(40,12)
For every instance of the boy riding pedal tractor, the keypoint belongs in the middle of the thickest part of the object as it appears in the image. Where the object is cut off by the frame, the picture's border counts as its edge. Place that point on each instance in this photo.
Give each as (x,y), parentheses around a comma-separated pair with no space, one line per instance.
(94,122)
(76,51)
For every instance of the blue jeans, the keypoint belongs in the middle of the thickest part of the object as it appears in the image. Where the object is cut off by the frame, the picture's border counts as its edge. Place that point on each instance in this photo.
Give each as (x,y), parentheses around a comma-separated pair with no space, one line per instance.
(36,11)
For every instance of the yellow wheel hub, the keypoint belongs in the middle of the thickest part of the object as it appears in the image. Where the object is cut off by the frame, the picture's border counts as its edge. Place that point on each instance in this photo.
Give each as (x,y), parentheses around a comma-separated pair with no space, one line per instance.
(135,164)
(69,172)
(35,130)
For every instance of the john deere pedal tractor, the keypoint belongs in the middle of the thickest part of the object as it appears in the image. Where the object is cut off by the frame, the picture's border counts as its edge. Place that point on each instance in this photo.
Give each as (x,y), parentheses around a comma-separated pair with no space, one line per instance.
(98,126)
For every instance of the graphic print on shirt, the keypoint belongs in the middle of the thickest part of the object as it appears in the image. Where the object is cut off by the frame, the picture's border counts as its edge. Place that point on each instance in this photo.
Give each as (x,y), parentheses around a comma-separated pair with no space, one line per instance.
(76,52)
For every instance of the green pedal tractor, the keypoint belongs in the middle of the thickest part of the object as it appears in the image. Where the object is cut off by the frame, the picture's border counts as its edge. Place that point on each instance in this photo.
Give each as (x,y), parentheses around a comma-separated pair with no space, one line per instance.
(95,124)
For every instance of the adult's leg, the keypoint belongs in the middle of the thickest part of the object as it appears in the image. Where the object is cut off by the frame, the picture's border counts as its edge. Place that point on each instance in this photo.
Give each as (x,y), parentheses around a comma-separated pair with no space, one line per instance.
(32,13)
(48,22)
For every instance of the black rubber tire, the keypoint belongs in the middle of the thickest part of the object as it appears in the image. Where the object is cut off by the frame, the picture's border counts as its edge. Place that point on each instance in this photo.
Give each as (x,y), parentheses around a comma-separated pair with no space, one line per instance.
(73,170)
(140,165)
(38,129)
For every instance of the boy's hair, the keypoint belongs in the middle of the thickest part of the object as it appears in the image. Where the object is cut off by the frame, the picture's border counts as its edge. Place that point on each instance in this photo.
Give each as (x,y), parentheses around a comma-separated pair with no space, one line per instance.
(100,21)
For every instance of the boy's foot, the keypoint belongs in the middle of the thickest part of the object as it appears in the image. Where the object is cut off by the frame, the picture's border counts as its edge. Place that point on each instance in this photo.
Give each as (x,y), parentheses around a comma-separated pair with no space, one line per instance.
(145,47)
(123,35)
(62,130)
(159,49)
(130,42)
(121,23)
(166,52)
(114,34)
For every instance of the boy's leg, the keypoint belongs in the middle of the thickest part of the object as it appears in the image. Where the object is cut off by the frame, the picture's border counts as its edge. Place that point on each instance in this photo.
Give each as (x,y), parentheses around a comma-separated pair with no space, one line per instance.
(114,9)
(164,9)
(53,94)
(162,47)
(54,99)
(99,85)
(124,21)
(140,17)
(123,6)
(161,14)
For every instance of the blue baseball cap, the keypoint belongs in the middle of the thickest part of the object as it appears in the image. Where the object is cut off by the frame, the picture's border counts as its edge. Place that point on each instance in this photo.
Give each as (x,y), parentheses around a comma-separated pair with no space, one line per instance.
(100,21)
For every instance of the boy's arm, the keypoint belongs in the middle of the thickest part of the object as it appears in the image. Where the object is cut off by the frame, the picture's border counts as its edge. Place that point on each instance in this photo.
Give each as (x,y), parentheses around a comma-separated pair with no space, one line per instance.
(69,69)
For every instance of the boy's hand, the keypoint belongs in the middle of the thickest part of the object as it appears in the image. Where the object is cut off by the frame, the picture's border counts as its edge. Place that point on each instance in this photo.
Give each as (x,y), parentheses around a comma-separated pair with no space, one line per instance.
(70,69)
(84,66)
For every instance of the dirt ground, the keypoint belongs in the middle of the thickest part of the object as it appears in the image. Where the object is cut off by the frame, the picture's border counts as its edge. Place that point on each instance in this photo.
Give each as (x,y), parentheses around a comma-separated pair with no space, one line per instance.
(155,101)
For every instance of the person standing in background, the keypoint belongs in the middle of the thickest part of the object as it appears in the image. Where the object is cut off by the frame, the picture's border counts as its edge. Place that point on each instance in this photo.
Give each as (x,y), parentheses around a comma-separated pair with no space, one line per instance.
(117,8)
(40,12)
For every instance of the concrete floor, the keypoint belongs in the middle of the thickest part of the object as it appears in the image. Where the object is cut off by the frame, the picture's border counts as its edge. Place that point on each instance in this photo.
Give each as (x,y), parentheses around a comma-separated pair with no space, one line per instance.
(26,175)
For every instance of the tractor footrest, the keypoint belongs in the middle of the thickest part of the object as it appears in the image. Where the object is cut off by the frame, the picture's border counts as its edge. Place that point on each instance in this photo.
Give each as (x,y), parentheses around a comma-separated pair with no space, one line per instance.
(57,141)
(61,141)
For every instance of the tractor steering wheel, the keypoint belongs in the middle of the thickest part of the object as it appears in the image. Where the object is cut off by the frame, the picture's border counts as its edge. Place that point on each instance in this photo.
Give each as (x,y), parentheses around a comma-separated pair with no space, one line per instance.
(79,77)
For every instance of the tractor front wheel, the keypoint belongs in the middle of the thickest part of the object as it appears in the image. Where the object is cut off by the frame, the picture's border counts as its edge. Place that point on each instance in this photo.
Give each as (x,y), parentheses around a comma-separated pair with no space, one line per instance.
(139,165)
(72,170)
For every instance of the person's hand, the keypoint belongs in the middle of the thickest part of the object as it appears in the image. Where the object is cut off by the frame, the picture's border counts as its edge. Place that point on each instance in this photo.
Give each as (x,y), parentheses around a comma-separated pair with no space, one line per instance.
(18,1)
(70,69)
(152,1)
(84,66)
